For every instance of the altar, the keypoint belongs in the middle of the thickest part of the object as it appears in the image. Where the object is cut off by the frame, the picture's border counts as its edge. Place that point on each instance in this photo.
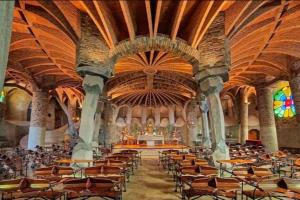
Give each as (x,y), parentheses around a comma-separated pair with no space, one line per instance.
(151,140)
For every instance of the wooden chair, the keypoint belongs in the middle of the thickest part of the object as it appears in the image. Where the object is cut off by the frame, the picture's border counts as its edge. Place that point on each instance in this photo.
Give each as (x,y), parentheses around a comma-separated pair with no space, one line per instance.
(26,188)
(215,187)
(92,187)
(109,172)
(277,188)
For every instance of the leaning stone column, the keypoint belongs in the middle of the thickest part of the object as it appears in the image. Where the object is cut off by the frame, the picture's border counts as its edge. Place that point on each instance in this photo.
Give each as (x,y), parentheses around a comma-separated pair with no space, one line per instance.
(38,117)
(97,122)
(244,116)
(206,142)
(6,17)
(268,134)
(211,87)
(93,86)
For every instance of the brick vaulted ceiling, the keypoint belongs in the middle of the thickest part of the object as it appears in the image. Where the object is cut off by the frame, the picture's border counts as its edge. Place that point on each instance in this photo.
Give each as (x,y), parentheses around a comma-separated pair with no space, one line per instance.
(264,37)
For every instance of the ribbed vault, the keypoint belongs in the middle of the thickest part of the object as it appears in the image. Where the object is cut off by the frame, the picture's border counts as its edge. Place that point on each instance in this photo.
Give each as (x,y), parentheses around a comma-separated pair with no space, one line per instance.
(151,80)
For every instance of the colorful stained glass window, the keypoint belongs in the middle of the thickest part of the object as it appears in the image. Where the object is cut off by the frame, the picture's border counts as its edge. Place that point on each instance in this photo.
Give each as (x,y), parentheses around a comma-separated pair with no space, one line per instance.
(2,96)
(284,104)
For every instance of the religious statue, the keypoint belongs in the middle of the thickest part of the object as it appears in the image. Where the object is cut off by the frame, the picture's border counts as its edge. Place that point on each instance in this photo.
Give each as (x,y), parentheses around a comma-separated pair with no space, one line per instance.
(150,128)
(126,138)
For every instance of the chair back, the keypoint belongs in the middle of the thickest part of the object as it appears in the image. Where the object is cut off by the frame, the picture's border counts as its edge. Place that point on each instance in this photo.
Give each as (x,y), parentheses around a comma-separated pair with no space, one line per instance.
(262,172)
(46,171)
(268,185)
(201,162)
(200,183)
(227,184)
(65,171)
(209,170)
(10,185)
(190,170)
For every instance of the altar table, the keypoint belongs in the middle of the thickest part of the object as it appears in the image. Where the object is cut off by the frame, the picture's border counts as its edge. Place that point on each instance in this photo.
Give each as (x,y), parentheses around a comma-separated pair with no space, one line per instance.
(151,139)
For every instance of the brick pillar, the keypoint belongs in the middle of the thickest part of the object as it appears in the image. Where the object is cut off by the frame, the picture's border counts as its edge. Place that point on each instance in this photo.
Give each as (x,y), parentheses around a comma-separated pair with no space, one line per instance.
(295,87)
(268,134)
(38,117)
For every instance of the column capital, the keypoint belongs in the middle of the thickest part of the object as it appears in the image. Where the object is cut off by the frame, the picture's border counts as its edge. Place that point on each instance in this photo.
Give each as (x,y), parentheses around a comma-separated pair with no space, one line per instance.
(104,70)
(211,85)
(93,84)
(209,71)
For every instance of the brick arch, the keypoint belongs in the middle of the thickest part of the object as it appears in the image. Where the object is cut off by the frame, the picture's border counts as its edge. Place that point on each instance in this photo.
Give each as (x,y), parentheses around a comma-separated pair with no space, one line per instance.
(161,43)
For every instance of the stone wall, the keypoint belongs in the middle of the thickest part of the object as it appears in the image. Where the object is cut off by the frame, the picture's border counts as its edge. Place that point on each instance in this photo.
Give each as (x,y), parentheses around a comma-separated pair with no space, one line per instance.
(288,133)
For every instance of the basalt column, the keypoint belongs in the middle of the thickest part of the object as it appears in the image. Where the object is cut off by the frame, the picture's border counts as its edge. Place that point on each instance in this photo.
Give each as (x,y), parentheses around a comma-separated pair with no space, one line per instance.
(206,141)
(268,134)
(38,118)
(93,86)
(211,87)
(6,16)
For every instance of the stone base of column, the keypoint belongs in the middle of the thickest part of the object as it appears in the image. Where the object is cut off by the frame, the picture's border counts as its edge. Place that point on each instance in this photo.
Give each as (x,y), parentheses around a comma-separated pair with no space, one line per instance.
(82,151)
(221,153)
(268,139)
(36,137)
(206,142)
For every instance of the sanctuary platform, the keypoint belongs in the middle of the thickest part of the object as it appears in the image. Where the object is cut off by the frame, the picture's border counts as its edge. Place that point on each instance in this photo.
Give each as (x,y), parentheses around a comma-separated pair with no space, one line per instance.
(149,150)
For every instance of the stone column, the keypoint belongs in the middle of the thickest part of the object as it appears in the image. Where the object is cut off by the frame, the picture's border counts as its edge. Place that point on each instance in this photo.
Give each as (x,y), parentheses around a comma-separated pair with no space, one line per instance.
(295,87)
(72,108)
(268,134)
(50,122)
(144,116)
(98,123)
(129,117)
(6,17)
(211,87)
(157,117)
(206,141)
(93,86)
(192,124)
(38,117)
(244,115)
(172,115)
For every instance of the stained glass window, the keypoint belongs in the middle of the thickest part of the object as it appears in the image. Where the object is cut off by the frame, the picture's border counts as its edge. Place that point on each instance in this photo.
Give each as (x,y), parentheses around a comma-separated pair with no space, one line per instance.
(2,96)
(284,104)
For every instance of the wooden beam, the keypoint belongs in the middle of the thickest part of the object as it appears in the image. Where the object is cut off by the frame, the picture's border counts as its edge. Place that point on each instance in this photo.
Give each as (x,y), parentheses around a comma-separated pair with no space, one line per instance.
(107,20)
(95,17)
(157,16)
(198,20)
(213,13)
(178,18)
(149,17)
(128,19)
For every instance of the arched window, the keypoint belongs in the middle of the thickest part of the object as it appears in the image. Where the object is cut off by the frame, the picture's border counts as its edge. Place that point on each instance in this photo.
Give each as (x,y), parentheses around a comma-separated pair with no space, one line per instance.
(284,104)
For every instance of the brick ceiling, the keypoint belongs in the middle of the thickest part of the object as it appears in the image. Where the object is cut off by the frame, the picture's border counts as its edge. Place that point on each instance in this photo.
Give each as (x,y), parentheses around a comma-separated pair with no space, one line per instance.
(264,38)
